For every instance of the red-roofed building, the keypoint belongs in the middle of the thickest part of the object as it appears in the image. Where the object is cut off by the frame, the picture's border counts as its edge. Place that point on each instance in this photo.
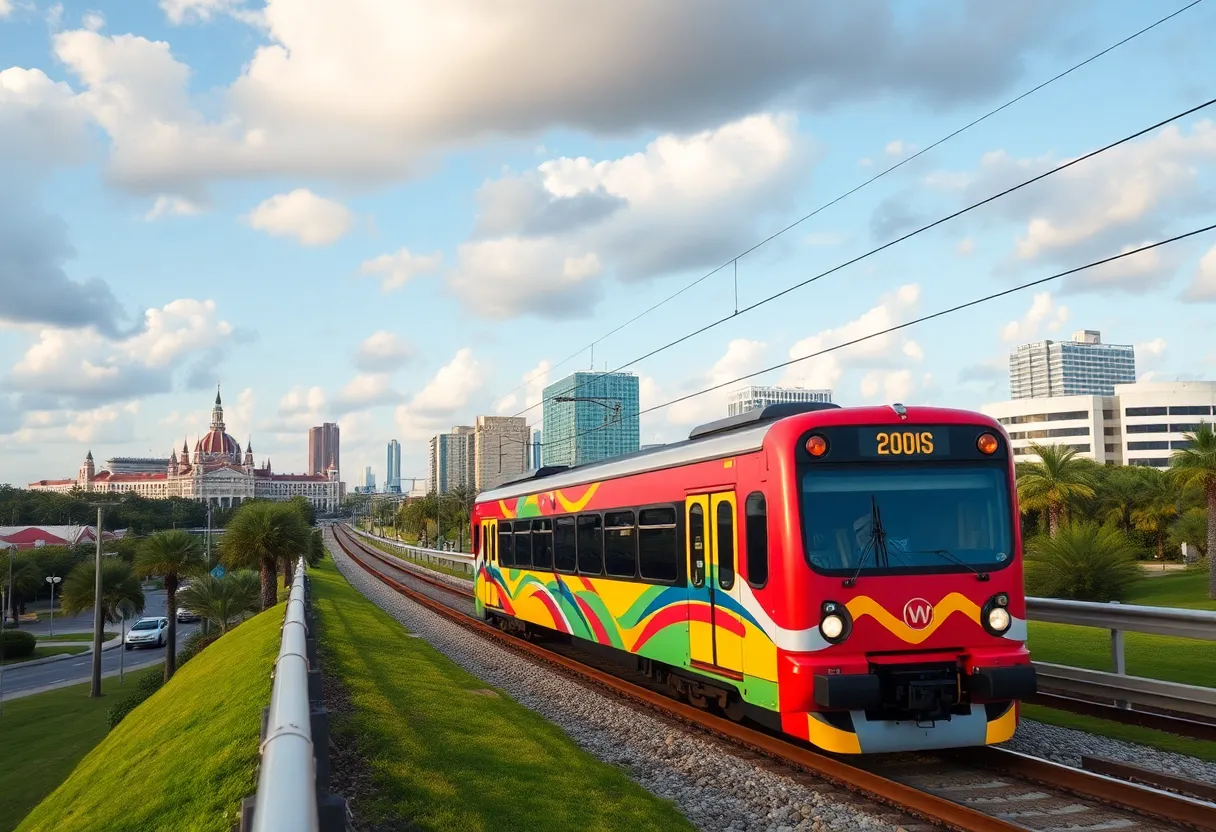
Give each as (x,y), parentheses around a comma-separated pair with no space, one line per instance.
(216,472)
(31,537)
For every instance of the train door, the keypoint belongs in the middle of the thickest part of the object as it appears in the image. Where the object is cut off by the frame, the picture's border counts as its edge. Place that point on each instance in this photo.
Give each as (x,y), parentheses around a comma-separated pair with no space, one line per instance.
(715,633)
(488,590)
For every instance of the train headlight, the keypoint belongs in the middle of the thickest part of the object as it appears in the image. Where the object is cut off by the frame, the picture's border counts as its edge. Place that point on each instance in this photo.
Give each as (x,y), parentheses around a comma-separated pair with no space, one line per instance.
(835,623)
(998,619)
(995,616)
(832,627)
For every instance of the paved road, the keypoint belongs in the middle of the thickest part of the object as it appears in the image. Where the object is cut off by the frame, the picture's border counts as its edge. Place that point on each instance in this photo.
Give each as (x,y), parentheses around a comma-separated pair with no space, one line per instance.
(18,679)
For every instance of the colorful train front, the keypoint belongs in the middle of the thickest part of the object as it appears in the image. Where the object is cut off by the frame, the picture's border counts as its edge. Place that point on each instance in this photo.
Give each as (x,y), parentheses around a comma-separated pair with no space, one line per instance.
(911,629)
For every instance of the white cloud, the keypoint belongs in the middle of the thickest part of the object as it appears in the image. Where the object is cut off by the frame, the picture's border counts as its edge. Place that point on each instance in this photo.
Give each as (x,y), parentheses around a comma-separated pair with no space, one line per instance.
(444,397)
(108,425)
(895,148)
(1149,358)
(310,219)
(534,383)
(84,365)
(545,240)
(882,352)
(1044,312)
(367,89)
(825,238)
(366,390)
(887,385)
(6,8)
(1203,284)
(398,268)
(742,356)
(1092,209)
(965,247)
(42,123)
(382,352)
(93,21)
(172,206)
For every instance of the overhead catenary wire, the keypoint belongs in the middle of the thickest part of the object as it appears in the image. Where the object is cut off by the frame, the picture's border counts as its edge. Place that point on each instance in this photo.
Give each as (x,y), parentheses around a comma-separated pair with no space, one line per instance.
(734,261)
(1021,287)
(871,252)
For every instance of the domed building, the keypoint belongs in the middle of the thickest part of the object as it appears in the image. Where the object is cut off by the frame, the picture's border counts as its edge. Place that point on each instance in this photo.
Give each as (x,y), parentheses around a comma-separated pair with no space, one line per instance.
(217,472)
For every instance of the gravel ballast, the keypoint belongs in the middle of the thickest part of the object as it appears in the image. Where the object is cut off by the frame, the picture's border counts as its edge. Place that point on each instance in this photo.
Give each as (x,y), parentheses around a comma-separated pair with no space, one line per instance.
(1067,745)
(715,787)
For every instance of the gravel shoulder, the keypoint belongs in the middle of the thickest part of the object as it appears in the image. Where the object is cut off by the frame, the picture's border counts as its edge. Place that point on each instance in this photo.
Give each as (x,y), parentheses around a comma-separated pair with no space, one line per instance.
(715,786)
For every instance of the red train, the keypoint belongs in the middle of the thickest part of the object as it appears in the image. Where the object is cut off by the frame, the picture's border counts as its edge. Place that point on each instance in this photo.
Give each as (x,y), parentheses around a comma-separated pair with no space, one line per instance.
(851,576)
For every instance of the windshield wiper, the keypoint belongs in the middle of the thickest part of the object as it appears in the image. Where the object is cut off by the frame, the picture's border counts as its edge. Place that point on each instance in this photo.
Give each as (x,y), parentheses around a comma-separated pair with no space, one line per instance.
(878,539)
(946,554)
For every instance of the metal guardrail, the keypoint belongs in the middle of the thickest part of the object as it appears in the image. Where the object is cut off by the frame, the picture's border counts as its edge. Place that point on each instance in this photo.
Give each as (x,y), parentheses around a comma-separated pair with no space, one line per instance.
(459,561)
(293,780)
(1119,687)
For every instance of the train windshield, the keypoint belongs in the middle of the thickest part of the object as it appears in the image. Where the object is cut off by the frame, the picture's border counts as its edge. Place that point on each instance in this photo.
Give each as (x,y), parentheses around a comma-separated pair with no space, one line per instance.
(947,518)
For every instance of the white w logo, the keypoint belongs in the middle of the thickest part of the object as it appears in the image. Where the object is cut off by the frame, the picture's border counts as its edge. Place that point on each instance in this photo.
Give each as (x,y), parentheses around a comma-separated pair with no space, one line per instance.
(918,613)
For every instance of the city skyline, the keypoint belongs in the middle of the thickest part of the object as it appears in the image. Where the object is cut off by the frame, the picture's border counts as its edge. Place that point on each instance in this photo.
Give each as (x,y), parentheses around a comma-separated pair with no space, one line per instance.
(484,252)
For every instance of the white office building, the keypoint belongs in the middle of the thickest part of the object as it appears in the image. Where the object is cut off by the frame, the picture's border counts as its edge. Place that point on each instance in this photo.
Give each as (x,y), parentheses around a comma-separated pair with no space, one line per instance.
(1083,366)
(1141,424)
(754,397)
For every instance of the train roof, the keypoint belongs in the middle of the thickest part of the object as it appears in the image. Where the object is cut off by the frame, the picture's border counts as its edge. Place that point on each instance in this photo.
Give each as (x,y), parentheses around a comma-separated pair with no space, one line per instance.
(713,440)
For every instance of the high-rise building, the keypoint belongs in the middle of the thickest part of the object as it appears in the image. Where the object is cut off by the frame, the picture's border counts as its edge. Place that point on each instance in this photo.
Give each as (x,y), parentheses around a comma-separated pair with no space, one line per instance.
(1141,424)
(534,456)
(392,474)
(369,479)
(323,448)
(755,397)
(453,458)
(501,447)
(1083,366)
(590,416)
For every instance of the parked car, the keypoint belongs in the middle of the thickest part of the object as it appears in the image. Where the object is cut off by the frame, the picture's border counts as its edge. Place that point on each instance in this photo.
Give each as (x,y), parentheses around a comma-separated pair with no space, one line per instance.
(148,632)
(184,615)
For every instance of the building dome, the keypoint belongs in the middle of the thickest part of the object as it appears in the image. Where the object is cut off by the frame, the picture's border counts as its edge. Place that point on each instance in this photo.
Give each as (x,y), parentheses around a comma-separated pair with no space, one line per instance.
(219,444)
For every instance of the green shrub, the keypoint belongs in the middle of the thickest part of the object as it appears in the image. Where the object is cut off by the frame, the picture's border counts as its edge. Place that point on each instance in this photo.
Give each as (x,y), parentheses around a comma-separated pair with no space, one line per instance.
(1083,562)
(17,644)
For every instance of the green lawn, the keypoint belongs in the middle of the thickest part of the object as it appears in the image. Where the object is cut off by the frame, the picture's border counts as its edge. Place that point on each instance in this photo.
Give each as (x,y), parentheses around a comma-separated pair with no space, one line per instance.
(446,752)
(1177,589)
(391,550)
(75,637)
(184,758)
(44,652)
(43,737)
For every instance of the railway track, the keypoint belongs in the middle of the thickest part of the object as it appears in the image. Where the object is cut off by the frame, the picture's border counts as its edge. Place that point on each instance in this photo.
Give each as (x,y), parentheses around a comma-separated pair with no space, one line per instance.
(975,789)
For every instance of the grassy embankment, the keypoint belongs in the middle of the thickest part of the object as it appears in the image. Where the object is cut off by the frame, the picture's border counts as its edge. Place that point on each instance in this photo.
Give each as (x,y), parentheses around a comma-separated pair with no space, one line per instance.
(446,752)
(400,554)
(48,734)
(183,759)
(1156,657)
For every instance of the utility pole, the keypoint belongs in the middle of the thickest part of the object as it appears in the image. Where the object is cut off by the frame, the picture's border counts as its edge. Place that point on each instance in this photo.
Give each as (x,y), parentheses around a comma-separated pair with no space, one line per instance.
(95,690)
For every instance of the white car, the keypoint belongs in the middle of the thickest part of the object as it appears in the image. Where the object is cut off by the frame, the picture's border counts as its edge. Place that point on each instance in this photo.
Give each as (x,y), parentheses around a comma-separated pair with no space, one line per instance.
(148,632)
(185,616)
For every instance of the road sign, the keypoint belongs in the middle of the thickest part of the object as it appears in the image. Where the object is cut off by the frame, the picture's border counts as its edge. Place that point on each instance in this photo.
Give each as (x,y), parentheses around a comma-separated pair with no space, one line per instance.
(218,572)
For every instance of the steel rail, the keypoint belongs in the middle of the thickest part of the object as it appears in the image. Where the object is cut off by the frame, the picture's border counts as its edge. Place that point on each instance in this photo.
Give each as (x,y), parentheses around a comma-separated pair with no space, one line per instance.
(1156,779)
(1183,726)
(906,798)
(287,780)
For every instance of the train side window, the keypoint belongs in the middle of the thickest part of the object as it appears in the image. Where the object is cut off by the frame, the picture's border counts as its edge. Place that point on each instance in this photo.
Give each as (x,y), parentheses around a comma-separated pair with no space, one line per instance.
(590,545)
(542,544)
(476,537)
(658,554)
(620,544)
(724,532)
(564,553)
(523,544)
(506,549)
(757,539)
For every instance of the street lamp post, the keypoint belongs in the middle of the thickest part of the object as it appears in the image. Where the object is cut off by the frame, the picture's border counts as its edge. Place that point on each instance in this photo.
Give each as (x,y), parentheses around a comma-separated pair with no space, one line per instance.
(95,689)
(52,580)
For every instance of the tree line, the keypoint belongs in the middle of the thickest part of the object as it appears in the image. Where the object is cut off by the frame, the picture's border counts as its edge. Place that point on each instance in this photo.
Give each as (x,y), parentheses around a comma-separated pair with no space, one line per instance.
(1086,525)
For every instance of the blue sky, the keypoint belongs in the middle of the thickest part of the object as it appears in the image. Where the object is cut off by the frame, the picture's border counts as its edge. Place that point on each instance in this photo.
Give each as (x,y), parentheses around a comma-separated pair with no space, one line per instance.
(389,214)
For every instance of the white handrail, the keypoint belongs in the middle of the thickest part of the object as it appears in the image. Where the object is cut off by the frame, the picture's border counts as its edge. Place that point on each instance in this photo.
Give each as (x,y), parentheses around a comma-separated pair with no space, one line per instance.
(287,781)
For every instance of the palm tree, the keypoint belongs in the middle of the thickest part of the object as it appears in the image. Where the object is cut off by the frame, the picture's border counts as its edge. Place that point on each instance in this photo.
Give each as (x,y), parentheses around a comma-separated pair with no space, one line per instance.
(222,600)
(1196,466)
(1120,493)
(1059,478)
(1191,528)
(1083,561)
(1158,507)
(120,590)
(260,536)
(173,554)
